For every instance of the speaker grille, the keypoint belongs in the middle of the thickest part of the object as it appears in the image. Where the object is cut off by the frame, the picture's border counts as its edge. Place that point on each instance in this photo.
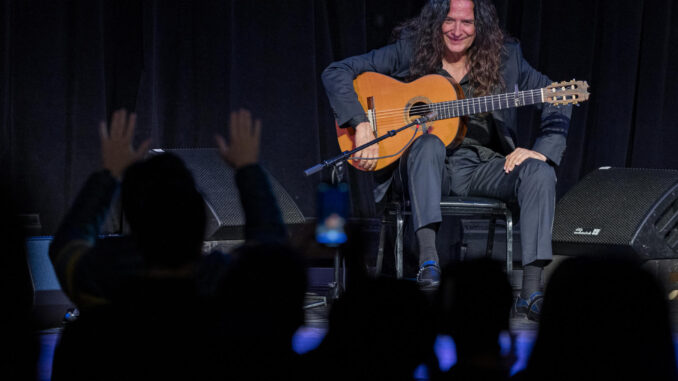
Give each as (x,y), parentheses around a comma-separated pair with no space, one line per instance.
(610,204)
(216,181)
(617,210)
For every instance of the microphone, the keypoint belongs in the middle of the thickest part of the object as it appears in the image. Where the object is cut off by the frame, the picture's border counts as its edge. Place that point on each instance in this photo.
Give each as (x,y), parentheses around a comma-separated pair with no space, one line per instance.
(431,115)
(422,120)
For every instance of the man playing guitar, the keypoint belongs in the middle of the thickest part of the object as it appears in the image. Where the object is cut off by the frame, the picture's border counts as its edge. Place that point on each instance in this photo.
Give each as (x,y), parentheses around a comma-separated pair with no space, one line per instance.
(462,40)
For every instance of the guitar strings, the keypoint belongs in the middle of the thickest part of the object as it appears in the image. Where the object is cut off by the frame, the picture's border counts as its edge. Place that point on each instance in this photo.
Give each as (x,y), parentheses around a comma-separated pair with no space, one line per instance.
(414,134)
(398,115)
(393,118)
(471,102)
(457,105)
(464,103)
(395,154)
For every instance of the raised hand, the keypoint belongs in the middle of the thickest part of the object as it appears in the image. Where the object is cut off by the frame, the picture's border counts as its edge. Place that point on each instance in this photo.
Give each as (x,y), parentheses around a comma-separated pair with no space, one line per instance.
(117,152)
(242,148)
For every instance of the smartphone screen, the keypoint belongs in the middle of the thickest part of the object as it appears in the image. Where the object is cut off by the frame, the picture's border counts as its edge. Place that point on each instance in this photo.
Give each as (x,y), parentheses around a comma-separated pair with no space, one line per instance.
(332,213)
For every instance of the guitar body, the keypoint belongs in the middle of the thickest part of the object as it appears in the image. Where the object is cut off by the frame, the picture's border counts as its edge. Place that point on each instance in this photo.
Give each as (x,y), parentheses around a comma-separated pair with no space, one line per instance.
(396,104)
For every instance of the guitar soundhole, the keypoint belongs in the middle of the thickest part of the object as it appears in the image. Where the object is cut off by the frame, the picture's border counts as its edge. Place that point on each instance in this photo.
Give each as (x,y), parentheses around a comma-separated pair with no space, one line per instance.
(417,109)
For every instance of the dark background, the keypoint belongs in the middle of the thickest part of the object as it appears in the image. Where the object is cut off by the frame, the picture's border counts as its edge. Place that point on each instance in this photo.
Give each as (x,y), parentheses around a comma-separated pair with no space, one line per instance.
(183,65)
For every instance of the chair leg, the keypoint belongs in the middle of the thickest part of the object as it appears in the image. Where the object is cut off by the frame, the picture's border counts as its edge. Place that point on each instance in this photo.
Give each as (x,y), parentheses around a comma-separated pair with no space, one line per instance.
(399,244)
(490,237)
(509,242)
(380,251)
(337,287)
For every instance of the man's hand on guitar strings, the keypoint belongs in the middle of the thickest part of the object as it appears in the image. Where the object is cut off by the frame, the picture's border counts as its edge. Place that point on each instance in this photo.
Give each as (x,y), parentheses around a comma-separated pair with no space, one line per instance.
(518,156)
(363,134)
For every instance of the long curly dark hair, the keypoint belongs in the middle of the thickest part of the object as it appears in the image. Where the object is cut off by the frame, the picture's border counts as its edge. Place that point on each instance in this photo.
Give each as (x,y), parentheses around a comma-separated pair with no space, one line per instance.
(484,55)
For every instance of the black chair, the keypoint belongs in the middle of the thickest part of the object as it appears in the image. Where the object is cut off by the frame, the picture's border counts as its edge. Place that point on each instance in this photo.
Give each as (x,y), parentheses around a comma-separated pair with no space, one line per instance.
(476,207)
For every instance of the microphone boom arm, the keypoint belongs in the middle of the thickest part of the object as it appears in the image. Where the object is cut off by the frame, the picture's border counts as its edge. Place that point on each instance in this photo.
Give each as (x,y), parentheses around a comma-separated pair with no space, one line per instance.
(346,154)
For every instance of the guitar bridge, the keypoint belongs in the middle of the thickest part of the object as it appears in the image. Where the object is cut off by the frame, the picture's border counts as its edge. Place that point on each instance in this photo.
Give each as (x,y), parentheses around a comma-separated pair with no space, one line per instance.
(372,115)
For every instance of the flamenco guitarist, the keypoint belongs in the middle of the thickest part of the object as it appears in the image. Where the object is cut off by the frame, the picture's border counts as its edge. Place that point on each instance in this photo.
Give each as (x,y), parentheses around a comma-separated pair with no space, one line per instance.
(462,40)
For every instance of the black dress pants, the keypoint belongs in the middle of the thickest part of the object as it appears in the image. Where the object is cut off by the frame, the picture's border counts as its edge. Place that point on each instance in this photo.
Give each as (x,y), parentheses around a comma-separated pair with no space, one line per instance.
(426,172)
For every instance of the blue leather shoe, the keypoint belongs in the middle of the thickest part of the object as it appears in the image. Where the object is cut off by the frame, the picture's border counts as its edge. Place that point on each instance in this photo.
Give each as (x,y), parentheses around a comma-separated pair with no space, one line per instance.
(530,307)
(428,276)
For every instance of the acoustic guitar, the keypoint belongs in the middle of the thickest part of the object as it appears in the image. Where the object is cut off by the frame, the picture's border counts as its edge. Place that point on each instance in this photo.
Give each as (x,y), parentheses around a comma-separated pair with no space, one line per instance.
(390,104)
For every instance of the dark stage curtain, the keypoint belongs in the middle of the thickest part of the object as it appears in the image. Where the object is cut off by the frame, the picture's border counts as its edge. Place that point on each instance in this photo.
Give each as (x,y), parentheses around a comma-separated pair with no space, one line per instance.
(183,65)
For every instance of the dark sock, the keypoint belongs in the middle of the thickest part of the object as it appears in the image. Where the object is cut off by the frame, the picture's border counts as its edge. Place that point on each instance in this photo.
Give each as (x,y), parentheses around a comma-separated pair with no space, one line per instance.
(531,280)
(426,237)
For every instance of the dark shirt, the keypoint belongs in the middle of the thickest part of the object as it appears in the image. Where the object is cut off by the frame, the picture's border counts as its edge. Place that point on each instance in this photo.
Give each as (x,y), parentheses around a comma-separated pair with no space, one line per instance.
(481,135)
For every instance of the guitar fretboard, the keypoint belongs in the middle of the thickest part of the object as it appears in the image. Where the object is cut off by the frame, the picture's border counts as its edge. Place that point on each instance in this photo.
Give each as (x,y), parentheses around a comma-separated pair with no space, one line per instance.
(462,107)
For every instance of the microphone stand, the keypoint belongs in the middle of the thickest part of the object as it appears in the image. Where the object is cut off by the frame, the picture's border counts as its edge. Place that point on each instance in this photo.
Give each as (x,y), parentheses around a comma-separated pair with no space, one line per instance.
(337,286)
(346,154)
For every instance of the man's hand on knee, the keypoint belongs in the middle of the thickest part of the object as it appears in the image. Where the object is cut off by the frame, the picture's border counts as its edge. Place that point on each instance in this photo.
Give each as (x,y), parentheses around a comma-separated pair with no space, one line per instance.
(518,156)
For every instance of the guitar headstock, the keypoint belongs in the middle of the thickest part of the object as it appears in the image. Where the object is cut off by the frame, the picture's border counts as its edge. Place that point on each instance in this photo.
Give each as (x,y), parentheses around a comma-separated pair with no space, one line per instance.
(568,92)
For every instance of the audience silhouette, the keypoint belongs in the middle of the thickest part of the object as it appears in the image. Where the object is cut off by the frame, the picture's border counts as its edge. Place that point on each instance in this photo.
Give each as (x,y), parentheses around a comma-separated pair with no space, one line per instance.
(379,330)
(151,327)
(475,300)
(156,322)
(260,303)
(604,318)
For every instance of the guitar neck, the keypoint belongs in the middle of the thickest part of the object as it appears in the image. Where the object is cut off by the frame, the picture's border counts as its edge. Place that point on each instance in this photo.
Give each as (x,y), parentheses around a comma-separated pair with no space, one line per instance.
(470,106)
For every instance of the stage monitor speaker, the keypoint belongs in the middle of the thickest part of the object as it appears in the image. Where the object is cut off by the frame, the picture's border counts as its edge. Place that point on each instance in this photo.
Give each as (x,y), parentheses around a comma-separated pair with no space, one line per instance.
(620,211)
(216,181)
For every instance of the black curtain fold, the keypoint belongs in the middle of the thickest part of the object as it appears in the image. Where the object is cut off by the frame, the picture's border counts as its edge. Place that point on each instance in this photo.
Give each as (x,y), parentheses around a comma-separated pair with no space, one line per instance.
(184,65)
(6,133)
(655,121)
